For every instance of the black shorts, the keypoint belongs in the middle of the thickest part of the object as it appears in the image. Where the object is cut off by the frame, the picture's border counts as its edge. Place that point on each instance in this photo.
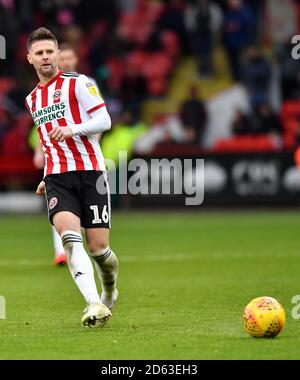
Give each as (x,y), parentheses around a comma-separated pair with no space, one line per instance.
(84,193)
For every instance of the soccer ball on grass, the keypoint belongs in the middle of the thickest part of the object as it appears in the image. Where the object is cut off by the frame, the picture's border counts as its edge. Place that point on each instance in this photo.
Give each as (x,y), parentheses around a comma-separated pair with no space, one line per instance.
(264,317)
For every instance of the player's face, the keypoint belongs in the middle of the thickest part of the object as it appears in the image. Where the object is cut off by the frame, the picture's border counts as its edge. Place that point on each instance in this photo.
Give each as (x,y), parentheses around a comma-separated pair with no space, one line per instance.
(43,55)
(67,60)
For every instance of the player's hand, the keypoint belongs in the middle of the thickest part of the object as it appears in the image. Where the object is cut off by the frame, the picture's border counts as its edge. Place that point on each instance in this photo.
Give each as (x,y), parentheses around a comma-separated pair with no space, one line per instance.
(41,189)
(60,133)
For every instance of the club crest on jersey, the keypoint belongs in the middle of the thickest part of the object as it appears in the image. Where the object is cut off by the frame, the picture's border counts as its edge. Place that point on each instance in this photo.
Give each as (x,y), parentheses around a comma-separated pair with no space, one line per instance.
(57,94)
(52,203)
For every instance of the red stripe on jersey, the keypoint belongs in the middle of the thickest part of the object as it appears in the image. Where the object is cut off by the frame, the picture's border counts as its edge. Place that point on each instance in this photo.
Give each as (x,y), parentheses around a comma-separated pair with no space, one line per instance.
(26,104)
(49,160)
(49,127)
(75,111)
(96,108)
(74,106)
(62,159)
(72,146)
(92,155)
(77,119)
(33,101)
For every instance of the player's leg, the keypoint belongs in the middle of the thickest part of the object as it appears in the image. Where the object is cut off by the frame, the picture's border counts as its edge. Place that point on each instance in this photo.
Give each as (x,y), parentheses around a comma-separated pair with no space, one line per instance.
(60,257)
(96,221)
(106,263)
(81,268)
(64,210)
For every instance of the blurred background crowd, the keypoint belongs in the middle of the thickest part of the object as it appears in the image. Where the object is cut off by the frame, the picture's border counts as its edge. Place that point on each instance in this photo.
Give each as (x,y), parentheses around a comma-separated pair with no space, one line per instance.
(213,75)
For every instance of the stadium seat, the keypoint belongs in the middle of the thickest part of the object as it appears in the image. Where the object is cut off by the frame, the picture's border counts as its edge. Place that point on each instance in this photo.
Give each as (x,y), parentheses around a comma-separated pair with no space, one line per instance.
(290,119)
(170,43)
(116,72)
(262,143)
(154,10)
(6,84)
(136,60)
(157,65)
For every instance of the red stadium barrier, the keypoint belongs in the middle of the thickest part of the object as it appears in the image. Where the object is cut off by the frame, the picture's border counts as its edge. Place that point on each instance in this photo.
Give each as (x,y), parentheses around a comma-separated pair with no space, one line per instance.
(18,171)
(262,143)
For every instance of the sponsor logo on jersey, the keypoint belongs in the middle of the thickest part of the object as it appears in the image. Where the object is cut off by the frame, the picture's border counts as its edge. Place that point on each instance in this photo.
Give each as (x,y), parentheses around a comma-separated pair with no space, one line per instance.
(52,203)
(49,113)
(92,89)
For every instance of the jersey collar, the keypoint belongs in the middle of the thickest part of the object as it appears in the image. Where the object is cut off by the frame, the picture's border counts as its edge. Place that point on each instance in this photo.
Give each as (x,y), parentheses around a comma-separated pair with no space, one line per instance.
(50,82)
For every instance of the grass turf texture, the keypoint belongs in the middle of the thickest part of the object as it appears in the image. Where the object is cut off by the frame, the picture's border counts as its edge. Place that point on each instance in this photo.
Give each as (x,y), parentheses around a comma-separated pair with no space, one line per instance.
(184,282)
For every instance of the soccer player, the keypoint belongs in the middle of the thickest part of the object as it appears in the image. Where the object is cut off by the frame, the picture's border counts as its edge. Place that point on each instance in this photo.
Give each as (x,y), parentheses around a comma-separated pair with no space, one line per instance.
(68,112)
(67,62)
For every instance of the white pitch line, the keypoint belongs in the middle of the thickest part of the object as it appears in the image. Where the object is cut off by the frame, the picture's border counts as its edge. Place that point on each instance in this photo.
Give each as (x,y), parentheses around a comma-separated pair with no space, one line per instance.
(126,259)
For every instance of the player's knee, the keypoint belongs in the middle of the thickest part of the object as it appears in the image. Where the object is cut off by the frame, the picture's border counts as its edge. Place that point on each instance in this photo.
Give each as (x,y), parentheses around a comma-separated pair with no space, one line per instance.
(66,221)
(98,245)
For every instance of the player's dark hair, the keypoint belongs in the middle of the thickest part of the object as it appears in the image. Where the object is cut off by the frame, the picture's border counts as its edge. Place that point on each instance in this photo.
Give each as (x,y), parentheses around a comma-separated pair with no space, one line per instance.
(40,34)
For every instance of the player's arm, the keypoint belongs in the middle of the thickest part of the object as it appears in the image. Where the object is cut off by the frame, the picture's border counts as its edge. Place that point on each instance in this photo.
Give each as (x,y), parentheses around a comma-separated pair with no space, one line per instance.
(39,162)
(100,122)
(88,96)
(38,158)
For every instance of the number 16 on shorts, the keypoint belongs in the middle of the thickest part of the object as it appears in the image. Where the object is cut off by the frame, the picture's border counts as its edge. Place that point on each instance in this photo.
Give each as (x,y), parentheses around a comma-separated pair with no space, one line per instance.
(104,214)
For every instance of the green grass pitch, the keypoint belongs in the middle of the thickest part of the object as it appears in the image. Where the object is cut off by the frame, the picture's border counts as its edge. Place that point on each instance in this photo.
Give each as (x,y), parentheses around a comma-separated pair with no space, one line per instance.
(184,281)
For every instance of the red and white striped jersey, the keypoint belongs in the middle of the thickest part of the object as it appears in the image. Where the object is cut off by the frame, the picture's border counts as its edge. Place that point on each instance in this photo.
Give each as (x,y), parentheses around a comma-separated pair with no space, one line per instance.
(66,100)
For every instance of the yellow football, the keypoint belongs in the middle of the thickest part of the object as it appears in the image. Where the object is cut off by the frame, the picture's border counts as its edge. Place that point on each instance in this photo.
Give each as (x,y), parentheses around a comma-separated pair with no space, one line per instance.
(264,317)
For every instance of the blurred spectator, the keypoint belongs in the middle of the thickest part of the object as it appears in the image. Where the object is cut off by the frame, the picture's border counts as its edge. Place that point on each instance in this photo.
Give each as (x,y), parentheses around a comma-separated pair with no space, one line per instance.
(4,125)
(14,98)
(264,120)
(72,35)
(134,92)
(99,46)
(121,137)
(172,19)
(68,60)
(297,133)
(256,75)
(289,70)
(87,13)
(241,123)
(193,116)
(127,5)
(165,129)
(237,33)
(202,19)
